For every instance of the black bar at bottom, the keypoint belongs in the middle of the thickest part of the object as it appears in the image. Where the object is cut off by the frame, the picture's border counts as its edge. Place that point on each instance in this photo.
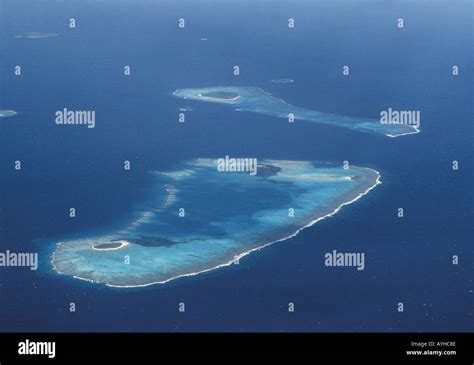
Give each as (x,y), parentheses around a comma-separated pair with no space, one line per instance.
(430,347)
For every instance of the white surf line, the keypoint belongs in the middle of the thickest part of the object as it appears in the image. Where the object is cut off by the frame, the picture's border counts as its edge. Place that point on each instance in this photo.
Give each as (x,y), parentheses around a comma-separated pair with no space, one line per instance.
(61,273)
(404,134)
(213,98)
(238,257)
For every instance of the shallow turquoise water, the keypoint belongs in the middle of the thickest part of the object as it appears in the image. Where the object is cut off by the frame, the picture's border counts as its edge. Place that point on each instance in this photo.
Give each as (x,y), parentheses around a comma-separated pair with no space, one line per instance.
(226,215)
(257,100)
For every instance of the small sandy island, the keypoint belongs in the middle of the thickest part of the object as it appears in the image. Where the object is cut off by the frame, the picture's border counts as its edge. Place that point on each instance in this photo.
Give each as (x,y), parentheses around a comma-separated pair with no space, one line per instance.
(35,35)
(7,113)
(224,95)
(110,246)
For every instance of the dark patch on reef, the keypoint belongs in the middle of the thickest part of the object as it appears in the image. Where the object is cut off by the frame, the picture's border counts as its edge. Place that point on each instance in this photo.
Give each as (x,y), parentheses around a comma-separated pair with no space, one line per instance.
(150,241)
(267,170)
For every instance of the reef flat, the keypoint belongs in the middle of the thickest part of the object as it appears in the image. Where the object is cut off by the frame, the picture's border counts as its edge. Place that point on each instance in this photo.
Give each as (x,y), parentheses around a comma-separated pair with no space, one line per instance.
(252,99)
(198,219)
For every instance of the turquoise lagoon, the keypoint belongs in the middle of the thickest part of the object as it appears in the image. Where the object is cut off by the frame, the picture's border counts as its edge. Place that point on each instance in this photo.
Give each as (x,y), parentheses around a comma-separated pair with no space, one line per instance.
(226,216)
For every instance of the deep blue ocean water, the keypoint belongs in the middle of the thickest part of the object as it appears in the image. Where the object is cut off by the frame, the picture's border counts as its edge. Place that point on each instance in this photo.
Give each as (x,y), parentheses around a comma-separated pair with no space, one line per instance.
(407,260)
